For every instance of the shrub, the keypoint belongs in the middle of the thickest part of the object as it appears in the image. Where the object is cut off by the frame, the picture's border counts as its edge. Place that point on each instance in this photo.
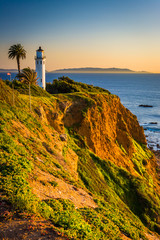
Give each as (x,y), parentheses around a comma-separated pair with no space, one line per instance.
(67,85)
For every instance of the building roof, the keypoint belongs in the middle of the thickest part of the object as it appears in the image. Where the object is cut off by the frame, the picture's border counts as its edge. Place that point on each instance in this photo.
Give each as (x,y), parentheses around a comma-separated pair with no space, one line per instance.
(40,49)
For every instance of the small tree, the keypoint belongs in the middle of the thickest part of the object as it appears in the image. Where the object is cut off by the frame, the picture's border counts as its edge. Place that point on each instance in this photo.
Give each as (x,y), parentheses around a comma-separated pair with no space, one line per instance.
(17,51)
(28,76)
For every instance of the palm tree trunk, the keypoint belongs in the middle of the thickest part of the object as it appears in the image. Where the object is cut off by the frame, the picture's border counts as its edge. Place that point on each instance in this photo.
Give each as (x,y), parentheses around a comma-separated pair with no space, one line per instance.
(18,64)
(13,92)
(30,97)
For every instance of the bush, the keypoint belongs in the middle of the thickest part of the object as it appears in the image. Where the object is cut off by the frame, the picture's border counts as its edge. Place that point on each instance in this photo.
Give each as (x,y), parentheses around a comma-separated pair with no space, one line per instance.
(67,85)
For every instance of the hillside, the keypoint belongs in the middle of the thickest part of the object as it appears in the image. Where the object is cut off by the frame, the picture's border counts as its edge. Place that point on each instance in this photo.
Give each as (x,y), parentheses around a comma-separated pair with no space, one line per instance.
(79,162)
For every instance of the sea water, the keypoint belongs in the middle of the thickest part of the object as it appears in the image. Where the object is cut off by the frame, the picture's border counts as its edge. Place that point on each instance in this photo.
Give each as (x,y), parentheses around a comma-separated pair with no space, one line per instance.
(133,90)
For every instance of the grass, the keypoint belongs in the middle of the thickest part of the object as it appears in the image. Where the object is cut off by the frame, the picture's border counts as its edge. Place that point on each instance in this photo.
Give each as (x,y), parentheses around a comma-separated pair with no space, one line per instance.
(140,157)
(54,183)
(24,89)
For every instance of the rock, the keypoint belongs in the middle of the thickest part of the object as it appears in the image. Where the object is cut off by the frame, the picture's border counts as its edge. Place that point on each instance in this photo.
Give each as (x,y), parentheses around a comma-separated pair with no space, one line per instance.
(153,123)
(63,137)
(141,105)
(55,116)
(63,105)
(47,147)
(39,159)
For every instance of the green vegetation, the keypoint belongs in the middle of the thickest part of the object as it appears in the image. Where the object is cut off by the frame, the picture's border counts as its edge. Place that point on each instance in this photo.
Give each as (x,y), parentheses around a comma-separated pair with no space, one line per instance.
(125,201)
(104,178)
(23,88)
(96,224)
(28,76)
(67,85)
(54,183)
(140,157)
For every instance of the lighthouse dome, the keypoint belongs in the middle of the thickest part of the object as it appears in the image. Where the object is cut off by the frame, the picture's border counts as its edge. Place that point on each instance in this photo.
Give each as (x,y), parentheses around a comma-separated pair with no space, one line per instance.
(40,53)
(40,49)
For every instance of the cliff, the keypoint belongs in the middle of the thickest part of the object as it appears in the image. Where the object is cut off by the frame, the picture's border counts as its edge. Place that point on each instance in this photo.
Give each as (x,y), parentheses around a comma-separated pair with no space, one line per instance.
(80,160)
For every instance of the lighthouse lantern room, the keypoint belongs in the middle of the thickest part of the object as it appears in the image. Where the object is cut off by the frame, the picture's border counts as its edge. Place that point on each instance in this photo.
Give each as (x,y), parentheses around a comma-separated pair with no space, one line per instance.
(40,67)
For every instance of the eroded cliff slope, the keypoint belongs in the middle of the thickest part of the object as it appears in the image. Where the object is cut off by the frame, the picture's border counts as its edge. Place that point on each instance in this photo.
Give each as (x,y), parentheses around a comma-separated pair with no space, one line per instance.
(80,159)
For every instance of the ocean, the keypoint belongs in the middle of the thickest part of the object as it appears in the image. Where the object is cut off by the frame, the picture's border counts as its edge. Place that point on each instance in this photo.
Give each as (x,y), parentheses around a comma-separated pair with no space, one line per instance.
(133,90)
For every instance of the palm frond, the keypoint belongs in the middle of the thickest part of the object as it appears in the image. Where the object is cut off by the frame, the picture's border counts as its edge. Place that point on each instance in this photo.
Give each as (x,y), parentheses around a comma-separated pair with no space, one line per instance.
(17,50)
(27,76)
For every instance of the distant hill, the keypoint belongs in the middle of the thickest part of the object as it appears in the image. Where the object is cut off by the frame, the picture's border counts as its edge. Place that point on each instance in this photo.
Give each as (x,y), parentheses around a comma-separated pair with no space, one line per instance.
(82,70)
(95,70)
(3,70)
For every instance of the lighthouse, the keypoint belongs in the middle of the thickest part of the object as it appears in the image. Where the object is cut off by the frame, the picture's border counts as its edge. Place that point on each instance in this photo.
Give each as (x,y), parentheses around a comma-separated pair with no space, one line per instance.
(40,67)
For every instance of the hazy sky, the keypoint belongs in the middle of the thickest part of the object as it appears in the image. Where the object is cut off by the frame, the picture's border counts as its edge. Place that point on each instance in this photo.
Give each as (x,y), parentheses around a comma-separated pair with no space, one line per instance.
(85,33)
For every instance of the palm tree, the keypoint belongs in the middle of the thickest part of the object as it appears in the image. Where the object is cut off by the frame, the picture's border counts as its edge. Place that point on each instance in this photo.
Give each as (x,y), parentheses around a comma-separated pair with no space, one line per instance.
(28,76)
(17,51)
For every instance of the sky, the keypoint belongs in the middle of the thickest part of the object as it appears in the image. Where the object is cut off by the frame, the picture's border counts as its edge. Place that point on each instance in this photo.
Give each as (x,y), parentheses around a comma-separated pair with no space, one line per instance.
(86,33)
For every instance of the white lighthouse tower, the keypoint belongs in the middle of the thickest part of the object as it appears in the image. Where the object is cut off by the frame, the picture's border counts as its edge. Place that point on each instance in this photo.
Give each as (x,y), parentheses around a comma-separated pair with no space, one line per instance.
(40,67)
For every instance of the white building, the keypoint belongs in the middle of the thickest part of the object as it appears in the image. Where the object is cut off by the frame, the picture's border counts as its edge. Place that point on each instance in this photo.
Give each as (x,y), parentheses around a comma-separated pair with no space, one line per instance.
(40,68)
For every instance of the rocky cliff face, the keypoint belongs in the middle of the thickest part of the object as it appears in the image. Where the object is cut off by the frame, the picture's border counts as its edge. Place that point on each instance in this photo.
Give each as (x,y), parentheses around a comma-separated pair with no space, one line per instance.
(107,127)
(85,147)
